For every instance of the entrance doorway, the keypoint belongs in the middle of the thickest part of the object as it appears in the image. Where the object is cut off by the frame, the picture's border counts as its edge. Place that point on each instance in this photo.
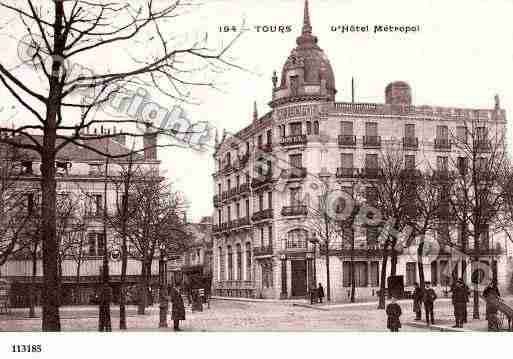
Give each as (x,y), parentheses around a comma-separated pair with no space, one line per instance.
(298,270)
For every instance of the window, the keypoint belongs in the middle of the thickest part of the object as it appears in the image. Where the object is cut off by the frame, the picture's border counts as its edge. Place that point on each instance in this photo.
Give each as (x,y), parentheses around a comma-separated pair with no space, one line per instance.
(95,169)
(237,181)
(347,128)
(229,212)
(26,167)
(282,130)
(296,238)
(409,130)
(481,134)
(371,129)
(316,127)
(247,207)
(270,200)
(360,274)
(260,201)
(411,273)
(96,243)
(269,137)
(219,188)
(229,185)
(409,162)
(441,163)
(237,209)
(228,159)
(219,216)
(269,236)
(239,262)
(95,204)
(296,160)
(91,241)
(295,129)
(267,274)
(221,265)
(462,164)
(259,141)
(461,134)
(442,132)
(434,273)
(308,128)
(371,161)
(248,261)
(347,160)
(371,195)
(374,274)
(230,263)
(61,168)
(261,236)
(484,237)
(295,196)
(372,234)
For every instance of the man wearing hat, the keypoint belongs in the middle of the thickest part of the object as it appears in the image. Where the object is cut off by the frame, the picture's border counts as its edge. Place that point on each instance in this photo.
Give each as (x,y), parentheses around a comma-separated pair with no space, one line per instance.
(459,301)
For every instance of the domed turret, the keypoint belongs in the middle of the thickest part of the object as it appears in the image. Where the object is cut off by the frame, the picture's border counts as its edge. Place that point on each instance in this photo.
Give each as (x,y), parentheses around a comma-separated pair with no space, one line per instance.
(307,71)
(398,93)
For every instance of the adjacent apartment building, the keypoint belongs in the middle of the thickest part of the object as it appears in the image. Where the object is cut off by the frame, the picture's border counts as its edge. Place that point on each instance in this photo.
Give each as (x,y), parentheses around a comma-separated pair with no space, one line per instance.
(263,246)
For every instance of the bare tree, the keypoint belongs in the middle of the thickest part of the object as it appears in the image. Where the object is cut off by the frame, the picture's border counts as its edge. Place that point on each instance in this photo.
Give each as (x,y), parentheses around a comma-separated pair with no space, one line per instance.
(476,195)
(60,33)
(155,221)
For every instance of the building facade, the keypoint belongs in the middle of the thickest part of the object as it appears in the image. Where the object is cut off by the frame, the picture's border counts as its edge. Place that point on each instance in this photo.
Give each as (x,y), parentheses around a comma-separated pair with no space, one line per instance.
(263,244)
(85,181)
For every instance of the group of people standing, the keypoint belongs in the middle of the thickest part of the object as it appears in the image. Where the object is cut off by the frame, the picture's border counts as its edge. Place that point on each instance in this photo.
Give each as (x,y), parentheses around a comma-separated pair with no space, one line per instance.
(317,294)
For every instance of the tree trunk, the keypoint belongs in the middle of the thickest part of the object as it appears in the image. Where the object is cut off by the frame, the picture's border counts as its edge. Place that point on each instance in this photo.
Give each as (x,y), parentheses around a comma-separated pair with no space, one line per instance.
(77,284)
(51,284)
(143,290)
(353,279)
(382,282)
(122,284)
(420,264)
(32,294)
(328,286)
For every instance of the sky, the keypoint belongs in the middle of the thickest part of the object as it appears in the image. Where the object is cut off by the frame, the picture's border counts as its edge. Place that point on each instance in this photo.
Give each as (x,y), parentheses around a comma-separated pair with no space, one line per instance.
(461,57)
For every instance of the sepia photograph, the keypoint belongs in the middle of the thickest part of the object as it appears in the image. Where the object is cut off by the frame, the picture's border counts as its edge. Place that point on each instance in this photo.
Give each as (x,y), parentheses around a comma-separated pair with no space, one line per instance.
(236,166)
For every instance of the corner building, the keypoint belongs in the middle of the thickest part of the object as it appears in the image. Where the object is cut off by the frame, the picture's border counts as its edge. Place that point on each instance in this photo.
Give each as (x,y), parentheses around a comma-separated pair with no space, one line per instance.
(262,241)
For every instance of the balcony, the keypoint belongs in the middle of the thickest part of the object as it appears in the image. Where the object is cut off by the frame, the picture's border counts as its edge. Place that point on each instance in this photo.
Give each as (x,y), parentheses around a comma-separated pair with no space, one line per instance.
(268,147)
(216,201)
(339,249)
(347,140)
(242,161)
(442,144)
(294,140)
(347,172)
(224,226)
(262,215)
(262,180)
(224,196)
(244,221)
(482,145)
(410,143)
(297,210)
(243,188)
(293,173)
(371,173)
(262,251)
(372,141)
(232,192)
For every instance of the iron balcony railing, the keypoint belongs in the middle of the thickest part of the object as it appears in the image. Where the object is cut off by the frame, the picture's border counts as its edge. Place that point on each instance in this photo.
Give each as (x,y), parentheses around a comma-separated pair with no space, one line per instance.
(442,144)
(262,250)
(296,210)
(347,140)
(372,141)
(347,172)
(294,172)
(410,143)
(262,215)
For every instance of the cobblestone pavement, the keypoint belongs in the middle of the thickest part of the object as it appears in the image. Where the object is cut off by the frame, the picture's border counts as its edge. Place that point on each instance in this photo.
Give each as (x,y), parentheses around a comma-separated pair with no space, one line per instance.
(226,315)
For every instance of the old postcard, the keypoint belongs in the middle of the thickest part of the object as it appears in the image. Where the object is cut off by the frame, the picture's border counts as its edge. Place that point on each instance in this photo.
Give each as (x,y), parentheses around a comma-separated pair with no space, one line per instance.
(290,165)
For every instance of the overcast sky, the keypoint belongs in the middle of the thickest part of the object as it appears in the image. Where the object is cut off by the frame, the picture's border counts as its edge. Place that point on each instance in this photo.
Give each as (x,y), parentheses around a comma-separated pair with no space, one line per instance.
(461,57)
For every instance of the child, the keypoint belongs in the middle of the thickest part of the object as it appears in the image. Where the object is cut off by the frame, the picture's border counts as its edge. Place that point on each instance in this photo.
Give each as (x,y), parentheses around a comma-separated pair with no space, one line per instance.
(393,311)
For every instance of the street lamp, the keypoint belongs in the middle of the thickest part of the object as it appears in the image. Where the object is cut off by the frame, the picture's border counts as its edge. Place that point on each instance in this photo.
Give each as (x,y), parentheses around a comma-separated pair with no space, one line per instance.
(163,301)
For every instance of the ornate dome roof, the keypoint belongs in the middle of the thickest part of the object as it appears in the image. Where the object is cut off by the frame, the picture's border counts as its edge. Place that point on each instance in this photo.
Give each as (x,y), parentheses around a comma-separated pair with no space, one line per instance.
(308,61)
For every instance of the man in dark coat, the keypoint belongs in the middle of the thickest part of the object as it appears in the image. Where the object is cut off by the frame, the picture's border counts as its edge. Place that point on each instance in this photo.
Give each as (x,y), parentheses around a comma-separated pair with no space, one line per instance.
(178,308)
(320,292)
(459,301)
(492,295)
(417,301)
(429,297)
(393,311)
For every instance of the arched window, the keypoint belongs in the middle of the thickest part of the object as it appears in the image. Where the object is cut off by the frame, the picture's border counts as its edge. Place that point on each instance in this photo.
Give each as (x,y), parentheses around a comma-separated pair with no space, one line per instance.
(248,261)
(316,128)
(296,238)
(230,263)
(239,261)
(221,264)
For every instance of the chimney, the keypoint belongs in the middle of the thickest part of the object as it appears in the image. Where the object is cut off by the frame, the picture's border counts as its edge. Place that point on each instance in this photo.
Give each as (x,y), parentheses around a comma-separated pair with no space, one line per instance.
(150,143)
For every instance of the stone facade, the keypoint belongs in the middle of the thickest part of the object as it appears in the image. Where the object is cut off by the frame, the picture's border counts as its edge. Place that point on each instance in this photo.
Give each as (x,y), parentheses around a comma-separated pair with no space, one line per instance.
(263,244)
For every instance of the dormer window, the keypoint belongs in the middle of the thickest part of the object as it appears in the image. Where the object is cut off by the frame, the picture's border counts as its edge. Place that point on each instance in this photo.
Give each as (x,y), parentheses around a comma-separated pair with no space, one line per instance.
(62,167)
(26,167)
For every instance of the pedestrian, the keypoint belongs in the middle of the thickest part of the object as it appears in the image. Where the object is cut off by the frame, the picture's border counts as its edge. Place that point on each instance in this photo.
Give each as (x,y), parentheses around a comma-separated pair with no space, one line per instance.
(320,292)
(197,306)
(429,297)
(164,307)
(459,301)
(394,312)
(492,295)
(313,295)
(467,296)
(417,301)
(178,308)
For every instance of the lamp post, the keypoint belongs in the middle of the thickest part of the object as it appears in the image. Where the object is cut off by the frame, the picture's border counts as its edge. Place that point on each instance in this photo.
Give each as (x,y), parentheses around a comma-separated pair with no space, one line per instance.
(163,300)
(314,240)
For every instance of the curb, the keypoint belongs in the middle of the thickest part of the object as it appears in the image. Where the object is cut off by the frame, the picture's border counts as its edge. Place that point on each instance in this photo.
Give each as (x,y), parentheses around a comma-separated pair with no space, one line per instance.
(310,306)
(440,328)
(253,300)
